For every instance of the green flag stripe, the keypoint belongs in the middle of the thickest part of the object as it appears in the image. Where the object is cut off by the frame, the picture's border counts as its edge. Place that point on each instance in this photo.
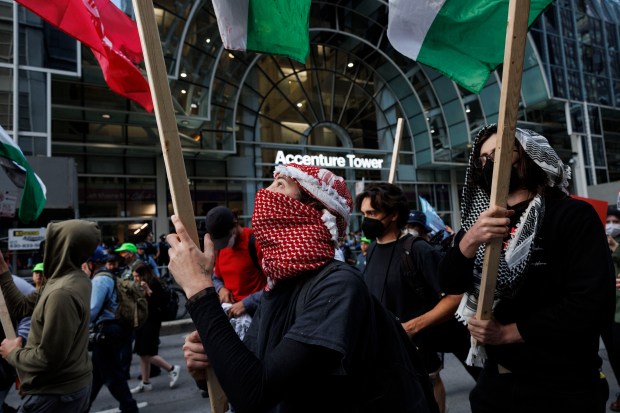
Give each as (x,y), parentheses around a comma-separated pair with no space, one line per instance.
(33,195)
(279,27)
(467,38)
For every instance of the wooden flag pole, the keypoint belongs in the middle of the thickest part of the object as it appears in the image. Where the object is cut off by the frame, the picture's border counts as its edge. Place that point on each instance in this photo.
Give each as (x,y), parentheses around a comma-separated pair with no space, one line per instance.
(171,148)
(396,150)
(514,52)
(5,318)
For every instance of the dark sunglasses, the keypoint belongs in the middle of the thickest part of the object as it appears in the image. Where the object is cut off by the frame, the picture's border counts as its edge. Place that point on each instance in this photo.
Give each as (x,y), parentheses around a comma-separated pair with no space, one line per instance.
(481,161)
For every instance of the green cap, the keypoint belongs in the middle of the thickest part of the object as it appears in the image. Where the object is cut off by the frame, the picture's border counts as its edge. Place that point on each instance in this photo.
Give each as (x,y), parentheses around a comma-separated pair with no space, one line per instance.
(128,246)
(38,267)
(364,239)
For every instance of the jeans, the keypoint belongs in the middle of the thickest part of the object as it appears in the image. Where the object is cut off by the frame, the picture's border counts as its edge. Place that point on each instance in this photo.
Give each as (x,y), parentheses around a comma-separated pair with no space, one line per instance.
(108,366)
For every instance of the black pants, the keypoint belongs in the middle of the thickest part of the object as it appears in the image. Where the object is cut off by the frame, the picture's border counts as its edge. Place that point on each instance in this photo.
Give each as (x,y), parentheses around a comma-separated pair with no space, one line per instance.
(611,339)
(518,393)
(108,366)
(76,402)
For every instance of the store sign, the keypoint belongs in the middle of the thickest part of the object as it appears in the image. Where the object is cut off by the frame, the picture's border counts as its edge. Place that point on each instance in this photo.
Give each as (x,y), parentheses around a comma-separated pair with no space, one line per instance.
(324,161)
(26,238)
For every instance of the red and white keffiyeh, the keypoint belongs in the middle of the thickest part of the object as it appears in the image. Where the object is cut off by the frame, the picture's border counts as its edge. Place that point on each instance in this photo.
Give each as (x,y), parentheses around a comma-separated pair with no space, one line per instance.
(295,237)
(326,187)
(292,236)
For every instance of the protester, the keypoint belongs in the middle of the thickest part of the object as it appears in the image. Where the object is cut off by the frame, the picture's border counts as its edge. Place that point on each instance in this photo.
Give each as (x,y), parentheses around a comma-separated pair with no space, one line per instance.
(111,339)
(345,253)
(411,294)
(318,341)
(554,293)
(112,264)
(8,374)
(361,258)
(238,279)
(147,336)
(612,337)
(37,275)
(143,255)
(129,253)
(162,254)
(54,368)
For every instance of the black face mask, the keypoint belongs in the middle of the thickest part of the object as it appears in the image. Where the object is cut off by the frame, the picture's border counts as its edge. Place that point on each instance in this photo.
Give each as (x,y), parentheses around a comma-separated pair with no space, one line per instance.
(372,228)
(519,210)
(486,180)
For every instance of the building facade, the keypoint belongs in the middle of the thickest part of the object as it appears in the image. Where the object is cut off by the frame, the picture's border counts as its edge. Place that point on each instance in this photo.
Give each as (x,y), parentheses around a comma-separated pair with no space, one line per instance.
(238,114)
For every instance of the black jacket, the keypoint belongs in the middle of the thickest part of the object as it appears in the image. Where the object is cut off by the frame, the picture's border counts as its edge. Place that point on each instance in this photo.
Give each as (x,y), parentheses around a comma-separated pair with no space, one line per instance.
(566,300)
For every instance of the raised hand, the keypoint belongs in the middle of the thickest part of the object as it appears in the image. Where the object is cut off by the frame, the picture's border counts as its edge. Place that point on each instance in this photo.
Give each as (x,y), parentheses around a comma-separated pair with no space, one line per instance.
(191,267)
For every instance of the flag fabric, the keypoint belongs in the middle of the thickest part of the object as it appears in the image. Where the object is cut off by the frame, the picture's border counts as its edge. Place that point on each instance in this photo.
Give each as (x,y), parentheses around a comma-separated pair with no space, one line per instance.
(433,220)
(121,30)
(111,35)
(33,194)
(277,27)
(464,40)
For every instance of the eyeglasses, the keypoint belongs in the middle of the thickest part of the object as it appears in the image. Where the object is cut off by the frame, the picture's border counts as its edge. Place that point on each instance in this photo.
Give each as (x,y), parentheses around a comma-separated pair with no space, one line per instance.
(481,161)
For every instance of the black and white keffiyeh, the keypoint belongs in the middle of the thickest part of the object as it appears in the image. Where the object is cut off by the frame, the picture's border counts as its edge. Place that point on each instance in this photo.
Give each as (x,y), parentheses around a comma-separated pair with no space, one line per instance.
(514,259)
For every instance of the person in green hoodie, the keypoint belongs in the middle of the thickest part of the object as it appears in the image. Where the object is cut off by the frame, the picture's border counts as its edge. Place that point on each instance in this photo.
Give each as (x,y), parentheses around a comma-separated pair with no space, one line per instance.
(54,367)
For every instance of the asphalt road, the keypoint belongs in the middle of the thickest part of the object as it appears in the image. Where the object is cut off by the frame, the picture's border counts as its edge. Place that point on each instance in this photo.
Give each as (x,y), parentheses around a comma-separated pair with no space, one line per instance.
(187,398)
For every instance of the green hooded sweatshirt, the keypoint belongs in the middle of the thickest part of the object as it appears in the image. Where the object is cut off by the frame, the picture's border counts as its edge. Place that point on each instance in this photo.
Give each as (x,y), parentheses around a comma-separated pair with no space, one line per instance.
(55,359)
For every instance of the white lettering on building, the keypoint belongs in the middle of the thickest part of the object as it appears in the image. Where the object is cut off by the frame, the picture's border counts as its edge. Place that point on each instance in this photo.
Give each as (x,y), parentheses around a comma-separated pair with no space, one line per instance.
(324,161)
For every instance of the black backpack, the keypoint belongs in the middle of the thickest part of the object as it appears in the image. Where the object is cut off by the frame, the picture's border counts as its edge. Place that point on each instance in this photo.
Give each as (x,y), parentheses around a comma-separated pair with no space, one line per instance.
(450,336)
(424,293)
(389,323)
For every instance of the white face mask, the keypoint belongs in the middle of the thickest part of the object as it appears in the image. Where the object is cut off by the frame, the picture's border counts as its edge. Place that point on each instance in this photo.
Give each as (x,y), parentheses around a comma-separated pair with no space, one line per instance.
(411,231)
(612,229)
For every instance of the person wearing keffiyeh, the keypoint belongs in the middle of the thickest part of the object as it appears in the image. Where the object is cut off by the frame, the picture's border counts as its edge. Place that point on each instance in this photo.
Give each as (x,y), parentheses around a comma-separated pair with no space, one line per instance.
(319,341)
(554,292)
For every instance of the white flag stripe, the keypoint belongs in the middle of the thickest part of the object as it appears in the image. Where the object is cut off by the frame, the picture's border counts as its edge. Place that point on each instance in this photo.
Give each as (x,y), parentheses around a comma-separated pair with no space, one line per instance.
(409,22)
(232,21)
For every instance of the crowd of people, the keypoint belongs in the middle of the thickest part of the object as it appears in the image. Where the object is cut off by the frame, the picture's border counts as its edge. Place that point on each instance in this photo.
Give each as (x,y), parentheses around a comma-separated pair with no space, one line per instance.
(538,352)
(295,314)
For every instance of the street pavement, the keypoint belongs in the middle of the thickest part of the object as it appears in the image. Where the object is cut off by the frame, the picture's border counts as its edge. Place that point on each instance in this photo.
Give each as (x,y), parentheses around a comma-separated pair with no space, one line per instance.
(187,398)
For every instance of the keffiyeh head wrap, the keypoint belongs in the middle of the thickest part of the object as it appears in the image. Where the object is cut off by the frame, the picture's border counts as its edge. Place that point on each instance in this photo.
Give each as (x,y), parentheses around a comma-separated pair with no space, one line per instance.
(538,149)
(326,187)
(514,259)
(295,237)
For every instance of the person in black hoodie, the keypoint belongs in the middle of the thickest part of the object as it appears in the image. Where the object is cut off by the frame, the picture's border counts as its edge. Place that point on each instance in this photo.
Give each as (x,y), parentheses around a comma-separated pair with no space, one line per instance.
(555,283)
(319,341)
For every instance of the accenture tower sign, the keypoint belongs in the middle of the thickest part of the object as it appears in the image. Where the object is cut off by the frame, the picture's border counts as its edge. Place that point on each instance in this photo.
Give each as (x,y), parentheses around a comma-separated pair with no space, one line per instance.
(324,161)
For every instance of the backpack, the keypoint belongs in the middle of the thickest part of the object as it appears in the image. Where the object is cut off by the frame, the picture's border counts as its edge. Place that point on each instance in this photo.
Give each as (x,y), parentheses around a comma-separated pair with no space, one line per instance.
(170,306)
(133,308)
(389,324)
(450,336)
(424,293)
